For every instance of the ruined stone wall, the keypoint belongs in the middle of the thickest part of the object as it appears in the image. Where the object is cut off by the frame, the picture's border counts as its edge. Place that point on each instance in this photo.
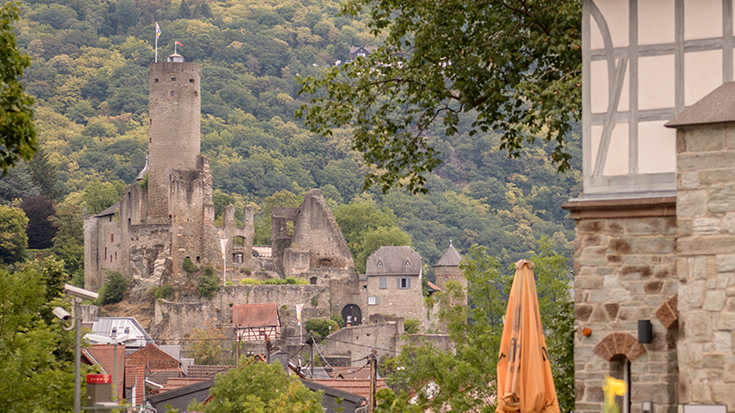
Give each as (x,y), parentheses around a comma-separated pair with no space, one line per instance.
(360,340)
(175,321)
(706,264)
(624,271)
(103,249)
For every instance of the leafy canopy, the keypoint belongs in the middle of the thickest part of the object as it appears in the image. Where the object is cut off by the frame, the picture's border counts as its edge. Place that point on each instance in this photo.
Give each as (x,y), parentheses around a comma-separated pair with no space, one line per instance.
(17,132)
(260,388)
(465,380)
(514,64)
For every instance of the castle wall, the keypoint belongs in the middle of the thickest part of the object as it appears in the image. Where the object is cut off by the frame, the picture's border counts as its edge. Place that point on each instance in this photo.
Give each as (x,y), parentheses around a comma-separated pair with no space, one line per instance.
(175,321)
(392,300)
(359,341)
(102,249)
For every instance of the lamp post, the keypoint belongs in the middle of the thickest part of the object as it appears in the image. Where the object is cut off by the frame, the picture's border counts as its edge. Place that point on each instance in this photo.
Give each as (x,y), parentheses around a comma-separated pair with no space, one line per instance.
(77,295)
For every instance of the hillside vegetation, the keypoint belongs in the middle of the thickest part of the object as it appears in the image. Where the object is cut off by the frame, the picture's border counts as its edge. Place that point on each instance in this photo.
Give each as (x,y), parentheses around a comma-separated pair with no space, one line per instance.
(90,79)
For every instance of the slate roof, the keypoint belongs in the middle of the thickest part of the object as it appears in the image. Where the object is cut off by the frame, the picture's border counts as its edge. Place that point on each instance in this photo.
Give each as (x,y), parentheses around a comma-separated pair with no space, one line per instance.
(255,315)
(109,211)
(182,396)
(394,261)
(206,372)
(451,258)
(349,400)
(716,107)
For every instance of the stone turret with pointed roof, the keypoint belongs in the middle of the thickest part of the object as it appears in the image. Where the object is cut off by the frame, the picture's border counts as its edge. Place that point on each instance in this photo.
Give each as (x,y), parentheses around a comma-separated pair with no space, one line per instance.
(447,268)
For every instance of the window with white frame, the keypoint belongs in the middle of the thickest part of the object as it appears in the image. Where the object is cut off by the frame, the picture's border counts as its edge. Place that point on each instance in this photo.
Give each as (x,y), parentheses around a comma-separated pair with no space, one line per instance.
(373,300)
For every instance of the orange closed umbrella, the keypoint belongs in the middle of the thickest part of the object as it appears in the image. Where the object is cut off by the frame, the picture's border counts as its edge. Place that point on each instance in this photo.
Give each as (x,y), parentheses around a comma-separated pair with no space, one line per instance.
(525,384)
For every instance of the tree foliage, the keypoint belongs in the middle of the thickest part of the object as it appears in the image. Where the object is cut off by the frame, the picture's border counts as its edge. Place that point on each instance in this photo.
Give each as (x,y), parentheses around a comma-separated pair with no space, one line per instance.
(515,64)
(260,388)
(34,376)
(13,238)
(114,289)
(40,230)
(17,132)
(464,380)
(205,346)
(69,240)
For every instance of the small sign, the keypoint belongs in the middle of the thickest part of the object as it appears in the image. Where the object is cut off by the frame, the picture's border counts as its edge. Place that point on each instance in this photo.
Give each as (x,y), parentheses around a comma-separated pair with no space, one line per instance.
(99,378)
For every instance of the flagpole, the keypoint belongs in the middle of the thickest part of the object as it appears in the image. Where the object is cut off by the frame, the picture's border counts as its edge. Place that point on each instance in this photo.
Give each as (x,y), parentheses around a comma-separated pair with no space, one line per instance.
(156,61)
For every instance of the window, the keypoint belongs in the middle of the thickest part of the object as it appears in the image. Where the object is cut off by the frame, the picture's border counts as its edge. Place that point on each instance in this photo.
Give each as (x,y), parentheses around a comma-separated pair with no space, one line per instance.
(403,283)
(173,79)
(112,237)
(373,300)
(191,80)
(312,280)
(239,241)
(407,263)
(170,93)
(383,283)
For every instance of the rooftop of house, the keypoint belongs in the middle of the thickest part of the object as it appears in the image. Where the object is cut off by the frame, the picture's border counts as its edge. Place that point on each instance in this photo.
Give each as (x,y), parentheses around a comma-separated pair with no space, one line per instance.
(206,372)
(115,326)
(451,258)
(152,358)
(401,260)
(255,315)
(716,107)
(103,355)
(109,211)
(360,387)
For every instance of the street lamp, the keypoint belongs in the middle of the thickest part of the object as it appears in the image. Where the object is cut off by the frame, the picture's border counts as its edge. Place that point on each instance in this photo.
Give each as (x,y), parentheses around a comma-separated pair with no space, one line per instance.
(77,295)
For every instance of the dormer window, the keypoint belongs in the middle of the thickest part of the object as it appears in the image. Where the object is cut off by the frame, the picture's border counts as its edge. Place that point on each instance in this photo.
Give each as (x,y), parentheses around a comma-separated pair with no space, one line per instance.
(407,263)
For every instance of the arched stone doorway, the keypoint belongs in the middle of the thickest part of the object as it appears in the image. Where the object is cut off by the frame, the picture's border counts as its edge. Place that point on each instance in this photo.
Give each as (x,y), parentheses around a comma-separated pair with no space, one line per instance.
(353,314)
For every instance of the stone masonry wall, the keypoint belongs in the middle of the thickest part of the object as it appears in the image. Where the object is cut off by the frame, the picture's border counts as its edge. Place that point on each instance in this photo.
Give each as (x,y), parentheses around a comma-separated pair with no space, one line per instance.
(175,321)
(624,270)
(706,264)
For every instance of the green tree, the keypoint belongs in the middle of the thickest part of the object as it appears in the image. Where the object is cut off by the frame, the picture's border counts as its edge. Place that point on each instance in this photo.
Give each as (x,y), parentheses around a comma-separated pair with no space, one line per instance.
(13,238)
(206,346)
(69,240)
(43,174)
(29,346)
(40,230)
(260,388)
(17,131)
(465,379)
(515,63)
(114,289)
(17,184)
(99,196)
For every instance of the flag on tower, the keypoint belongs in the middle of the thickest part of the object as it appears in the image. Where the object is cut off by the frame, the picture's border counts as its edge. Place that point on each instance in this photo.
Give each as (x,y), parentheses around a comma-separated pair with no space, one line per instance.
(158,31)
(179,43)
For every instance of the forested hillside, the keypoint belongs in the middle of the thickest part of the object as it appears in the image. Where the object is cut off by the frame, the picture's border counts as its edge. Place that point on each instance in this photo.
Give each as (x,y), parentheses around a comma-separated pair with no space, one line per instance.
(90,79)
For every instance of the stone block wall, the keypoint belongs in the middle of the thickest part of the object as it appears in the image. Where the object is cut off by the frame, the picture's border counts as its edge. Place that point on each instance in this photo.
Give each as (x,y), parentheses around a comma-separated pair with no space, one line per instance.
(624,271)
(706,264)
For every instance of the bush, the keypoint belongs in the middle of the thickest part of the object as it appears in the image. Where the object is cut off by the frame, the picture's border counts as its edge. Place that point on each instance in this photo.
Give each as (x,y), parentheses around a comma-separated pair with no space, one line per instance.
(273,281)
(208,283)
(339,320)
(189,266)
(114,288)
(163,292)
(411,326)
(321,327)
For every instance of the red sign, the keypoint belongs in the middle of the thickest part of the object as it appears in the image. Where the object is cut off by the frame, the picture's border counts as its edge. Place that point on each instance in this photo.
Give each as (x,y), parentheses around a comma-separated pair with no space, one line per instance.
(99,378)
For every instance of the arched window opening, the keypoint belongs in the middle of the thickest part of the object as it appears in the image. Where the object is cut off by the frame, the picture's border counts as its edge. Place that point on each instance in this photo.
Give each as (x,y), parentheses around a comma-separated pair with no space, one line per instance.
(312,280)
(325,262)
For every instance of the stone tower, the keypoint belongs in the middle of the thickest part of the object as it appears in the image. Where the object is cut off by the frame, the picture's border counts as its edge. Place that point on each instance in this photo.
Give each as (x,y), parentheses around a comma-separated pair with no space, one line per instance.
(174,106)
(447,268)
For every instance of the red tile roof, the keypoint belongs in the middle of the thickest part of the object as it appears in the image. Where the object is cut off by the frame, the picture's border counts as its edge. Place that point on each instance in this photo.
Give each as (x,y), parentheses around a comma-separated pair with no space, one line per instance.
(104,355)
(255,315)
(152,357)
(130,381)
(175,383)
(361,387)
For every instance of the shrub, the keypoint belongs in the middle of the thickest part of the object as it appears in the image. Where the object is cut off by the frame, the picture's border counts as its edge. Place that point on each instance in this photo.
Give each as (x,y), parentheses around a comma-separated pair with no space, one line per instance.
(290,280)
(189,266)
(339,320)
(163,291)
(208,283)
(321,327)
(114,288)
(411,326)
(247,281)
